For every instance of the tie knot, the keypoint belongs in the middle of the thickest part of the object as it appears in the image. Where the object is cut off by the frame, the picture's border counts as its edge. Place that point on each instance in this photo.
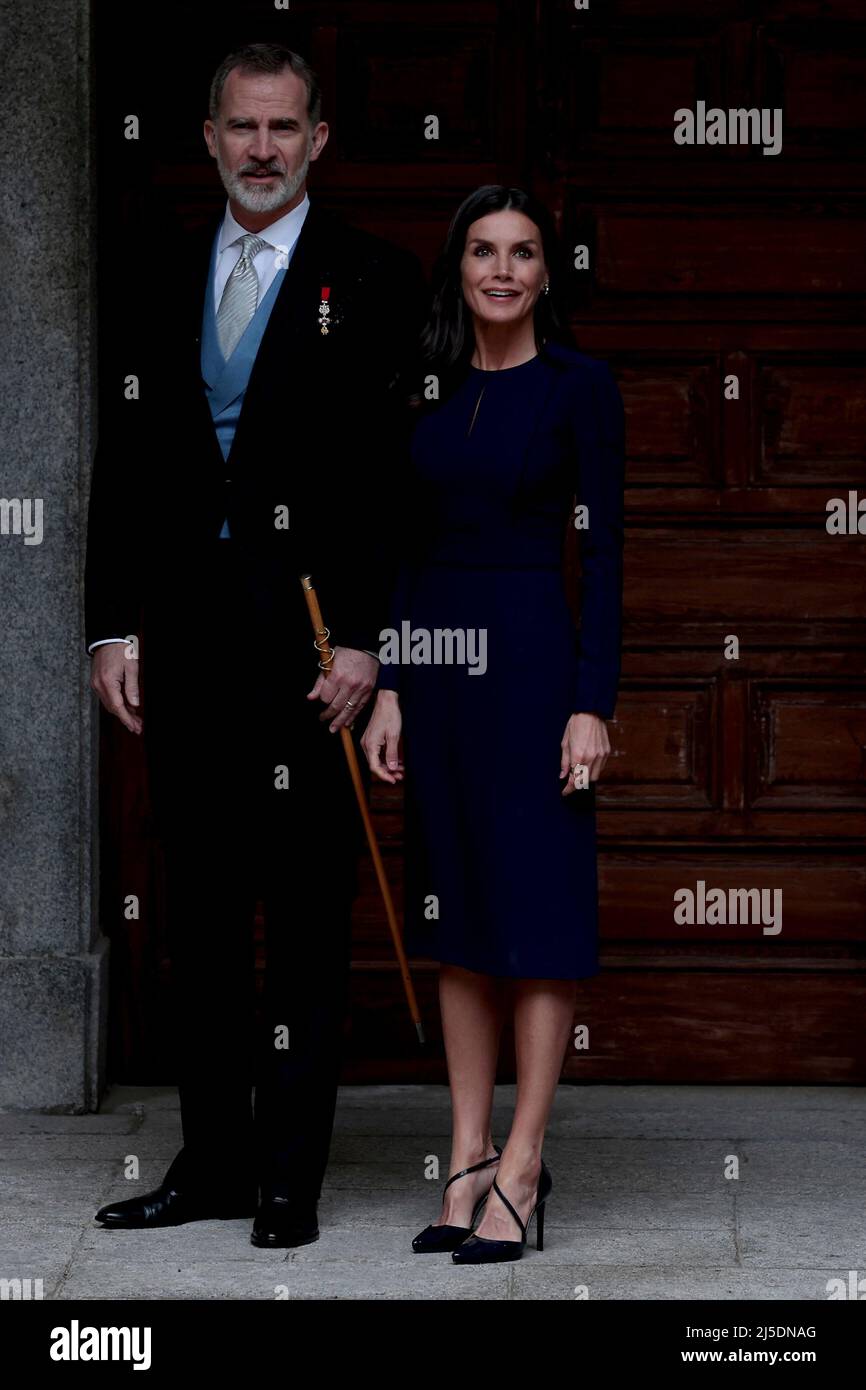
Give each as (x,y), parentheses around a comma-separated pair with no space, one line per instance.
(251,245)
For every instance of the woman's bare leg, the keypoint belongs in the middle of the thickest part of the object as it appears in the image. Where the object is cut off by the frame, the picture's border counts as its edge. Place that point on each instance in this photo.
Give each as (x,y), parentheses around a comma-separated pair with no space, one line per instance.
(472,1008)
(543,1019)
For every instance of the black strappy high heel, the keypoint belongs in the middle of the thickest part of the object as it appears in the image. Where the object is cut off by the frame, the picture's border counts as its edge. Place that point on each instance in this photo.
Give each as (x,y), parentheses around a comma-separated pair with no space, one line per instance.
(480,1250)
(435,1239)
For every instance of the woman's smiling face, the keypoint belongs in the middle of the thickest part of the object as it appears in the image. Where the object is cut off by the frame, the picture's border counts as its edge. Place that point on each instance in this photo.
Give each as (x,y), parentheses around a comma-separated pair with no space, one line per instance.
(502,267)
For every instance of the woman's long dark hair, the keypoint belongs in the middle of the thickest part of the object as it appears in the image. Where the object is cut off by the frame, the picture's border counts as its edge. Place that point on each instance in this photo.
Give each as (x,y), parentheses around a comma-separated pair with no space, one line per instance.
(448,339)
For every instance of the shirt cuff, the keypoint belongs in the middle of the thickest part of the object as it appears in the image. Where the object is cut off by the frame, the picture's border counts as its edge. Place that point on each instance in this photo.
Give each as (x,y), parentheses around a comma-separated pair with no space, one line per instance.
(104,641)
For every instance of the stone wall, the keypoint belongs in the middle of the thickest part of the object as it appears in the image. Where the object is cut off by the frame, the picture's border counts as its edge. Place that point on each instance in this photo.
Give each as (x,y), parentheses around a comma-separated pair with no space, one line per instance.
(53,958)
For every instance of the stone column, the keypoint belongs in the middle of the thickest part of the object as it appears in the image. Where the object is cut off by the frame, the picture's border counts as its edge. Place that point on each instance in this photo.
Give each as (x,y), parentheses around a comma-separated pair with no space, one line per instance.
(52,956)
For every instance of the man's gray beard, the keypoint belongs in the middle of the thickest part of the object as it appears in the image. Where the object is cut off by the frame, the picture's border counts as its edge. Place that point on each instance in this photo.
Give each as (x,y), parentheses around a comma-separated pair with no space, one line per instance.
(263,199)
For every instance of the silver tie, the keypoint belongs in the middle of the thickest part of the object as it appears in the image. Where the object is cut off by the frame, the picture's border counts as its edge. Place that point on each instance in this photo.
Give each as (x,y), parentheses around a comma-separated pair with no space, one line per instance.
(240,296)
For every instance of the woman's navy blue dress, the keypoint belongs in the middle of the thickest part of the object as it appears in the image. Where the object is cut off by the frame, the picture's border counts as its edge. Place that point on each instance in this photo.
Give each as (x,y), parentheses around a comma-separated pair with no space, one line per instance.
(501,873)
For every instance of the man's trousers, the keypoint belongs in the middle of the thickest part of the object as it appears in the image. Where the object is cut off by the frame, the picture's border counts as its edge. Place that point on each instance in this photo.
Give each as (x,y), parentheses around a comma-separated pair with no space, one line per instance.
(254,801)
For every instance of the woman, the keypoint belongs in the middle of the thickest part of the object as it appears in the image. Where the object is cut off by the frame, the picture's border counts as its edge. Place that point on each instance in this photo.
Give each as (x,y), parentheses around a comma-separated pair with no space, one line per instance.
(501,858)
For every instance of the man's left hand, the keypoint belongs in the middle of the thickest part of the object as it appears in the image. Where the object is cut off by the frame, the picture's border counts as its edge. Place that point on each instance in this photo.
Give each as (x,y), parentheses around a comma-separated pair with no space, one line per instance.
(346,688)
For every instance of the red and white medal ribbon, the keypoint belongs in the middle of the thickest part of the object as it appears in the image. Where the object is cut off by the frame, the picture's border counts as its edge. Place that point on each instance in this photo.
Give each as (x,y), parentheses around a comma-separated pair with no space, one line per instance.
(324,307)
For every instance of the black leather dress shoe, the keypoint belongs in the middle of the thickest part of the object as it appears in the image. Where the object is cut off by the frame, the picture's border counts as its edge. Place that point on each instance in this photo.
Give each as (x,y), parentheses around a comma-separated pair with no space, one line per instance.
(166,1206)
(283,1222)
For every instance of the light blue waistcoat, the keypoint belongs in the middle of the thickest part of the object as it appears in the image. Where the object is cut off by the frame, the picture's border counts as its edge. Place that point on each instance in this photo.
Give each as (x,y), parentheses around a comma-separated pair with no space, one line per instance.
(226,381)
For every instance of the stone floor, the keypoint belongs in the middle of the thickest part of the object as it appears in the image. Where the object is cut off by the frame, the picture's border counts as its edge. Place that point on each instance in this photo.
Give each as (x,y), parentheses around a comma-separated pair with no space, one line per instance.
(641,1206)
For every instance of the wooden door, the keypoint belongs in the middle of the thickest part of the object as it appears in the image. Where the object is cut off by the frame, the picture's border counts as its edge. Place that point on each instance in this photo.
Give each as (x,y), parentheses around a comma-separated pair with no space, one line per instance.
(726,289)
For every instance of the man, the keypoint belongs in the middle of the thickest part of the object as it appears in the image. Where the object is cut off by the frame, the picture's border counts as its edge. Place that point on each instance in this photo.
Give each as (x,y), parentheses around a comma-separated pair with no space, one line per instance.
(260,444)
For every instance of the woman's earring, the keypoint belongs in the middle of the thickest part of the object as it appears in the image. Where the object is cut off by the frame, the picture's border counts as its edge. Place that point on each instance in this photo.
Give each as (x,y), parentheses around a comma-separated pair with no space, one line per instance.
(546,287)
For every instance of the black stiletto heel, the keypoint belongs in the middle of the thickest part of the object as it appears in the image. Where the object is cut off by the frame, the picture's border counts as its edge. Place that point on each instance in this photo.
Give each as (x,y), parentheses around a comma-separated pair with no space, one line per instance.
(480,1250)
(436,1239)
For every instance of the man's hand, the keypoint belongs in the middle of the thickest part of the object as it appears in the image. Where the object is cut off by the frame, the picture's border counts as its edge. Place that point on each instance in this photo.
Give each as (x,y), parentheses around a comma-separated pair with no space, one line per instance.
(351,678)
(114,677)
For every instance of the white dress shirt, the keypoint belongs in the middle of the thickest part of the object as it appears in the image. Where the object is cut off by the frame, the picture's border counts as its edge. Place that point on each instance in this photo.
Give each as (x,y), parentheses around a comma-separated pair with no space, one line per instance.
(280,237)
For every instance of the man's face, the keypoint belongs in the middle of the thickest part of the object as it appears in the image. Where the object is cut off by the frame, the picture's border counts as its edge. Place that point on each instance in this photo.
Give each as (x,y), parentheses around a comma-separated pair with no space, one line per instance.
(262,140)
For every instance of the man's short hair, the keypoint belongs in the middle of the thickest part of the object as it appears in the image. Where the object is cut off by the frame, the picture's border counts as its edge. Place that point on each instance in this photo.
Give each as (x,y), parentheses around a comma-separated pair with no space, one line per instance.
(267,58)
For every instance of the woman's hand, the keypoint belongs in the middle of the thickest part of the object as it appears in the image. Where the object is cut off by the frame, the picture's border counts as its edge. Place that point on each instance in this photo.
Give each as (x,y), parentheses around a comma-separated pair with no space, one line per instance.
(584,743)
(383,730)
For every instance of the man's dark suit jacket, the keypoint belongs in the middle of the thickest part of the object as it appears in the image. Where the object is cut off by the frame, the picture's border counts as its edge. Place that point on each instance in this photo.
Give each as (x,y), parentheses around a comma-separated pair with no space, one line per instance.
(323,431)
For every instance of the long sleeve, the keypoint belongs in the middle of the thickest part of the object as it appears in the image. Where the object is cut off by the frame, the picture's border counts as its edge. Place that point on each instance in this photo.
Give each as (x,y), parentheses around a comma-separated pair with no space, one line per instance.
(355,590)
(406,521)
(132,339)
(409,518)
(113,564)
(600,434)
(390,672)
